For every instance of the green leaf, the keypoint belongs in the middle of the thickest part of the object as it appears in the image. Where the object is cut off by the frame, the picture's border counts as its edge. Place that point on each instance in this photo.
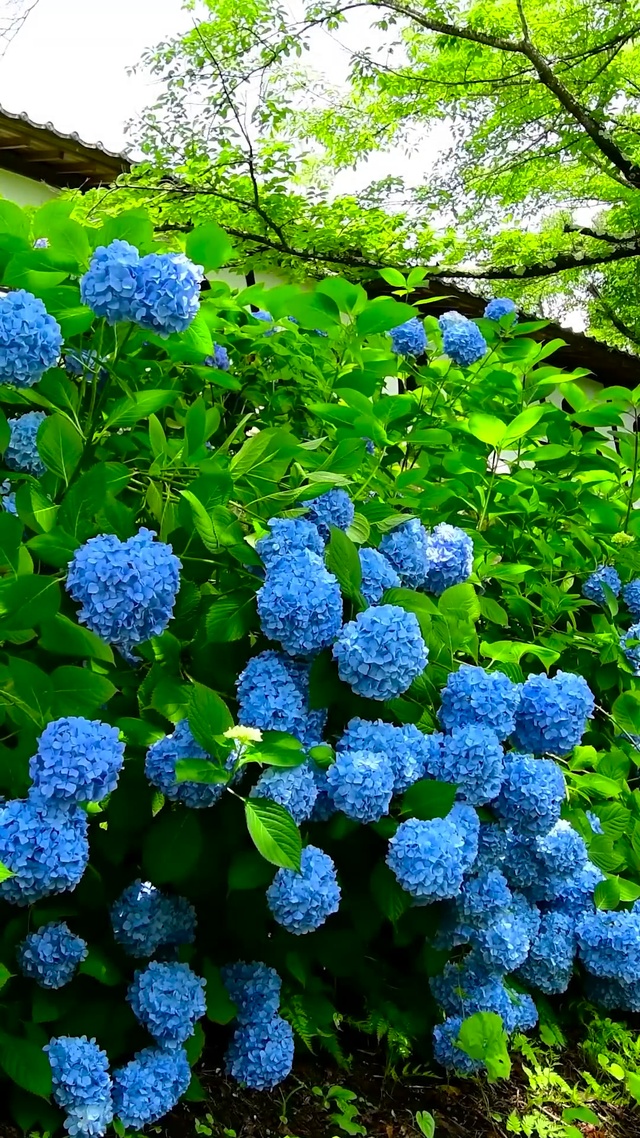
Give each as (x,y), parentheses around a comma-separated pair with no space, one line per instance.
(273,832)
(5,873)
(249,871)
(25,1064)
(581,1114)
(383,315)
(278,749)
(220,1007)
(393,277)
(341,558)
(60,446)
(209,718)
(510,652)
(27,601)
(69,244)
(487,428)
(128,411)
(391,898)
(626,712)
(633,1085)
(202,771)
(483,1037)
(208,245)
(349,297)
(426,1122)
(202,521)
(494,612)
(79,691)
(54,548)
(231,617)
(460,602)
(606,894)
(98,965)
(195,427)
(428,799)
(5,974)
(173,846)
(10,537)
(64,638)
(133,225)
(523,423)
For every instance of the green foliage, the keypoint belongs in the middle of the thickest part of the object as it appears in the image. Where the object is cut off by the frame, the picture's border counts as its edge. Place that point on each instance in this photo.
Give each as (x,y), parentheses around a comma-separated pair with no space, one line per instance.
(205,459)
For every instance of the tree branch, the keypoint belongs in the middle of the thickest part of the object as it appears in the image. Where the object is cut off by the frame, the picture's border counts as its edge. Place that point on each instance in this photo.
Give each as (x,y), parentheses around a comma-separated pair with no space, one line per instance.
(613,318)
(608,238)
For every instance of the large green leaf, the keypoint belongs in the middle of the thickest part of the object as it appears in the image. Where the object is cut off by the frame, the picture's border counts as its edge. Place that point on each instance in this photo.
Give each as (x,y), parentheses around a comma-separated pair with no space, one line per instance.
(341,558)
(79,691)
(273,832)
(60,446)
(488,428)
(173,846)
(383,315)
(626,712)
(460,602)
(63,637)
(231,617)
(482,1036)
(208,245)
(28,601)
(128,411)
(209,717)
(428,799)
(25,1064)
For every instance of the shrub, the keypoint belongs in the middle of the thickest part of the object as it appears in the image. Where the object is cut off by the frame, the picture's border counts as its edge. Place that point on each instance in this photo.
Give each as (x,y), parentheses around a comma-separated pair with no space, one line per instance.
(268,586)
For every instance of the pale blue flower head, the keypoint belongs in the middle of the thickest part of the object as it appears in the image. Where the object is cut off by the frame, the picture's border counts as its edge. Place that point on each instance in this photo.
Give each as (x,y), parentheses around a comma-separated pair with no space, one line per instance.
(45,846)
(254,989)
(593,588)
(51,955)
(30,339)
(300,604)
(500,306)
(406,548)
(410,338)
(144,920)
(301,902)
(273,695)
(287,536)
(531,795)
(77,760)
(260,1055)
(150,1085)
(381,652)
(334,508)
(378,575)
(449,558)
(160,768)
(474,696)
(361,784)
(293,787)
(631,594)
(168,999)
(22,451)
(552,714)
(462,341)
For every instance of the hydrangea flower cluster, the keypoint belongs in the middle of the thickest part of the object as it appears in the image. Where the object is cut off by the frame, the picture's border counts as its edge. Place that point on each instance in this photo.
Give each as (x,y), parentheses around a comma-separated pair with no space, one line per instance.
(474,696)
(150,1085)
(287,536)
(593,588)
(410,338)
(167,999)
(473,758)
(430,859)
(260,1054)
(631,649)
(334,508)
(127,589)
(361,784)
(408,751)
(381,652)
(462,340)
(22,451)
(609,944)
(160,768)
(301,902)
(145,920)
(273,695)
(293,787)
(51,955)
(81,1084)
(300,604)
(378,575)
(406,548)
(552,714)
(77,760)
(30,339)
(219,359)
(45,846)
(160,292)
(631,594)
(449,558)
(531,794)
(8,497)
(500,306)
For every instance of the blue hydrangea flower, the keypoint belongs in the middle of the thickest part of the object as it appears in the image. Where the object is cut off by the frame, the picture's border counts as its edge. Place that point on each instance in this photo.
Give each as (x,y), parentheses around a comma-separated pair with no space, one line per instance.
(30,339)
(483,897)
(428,858)
(549,964)
(406,548)
(447,1053)
(467,823)
(552,714)
(79,1071)
(287,536)
(324,807)
(160,768)
(500,306)
(631,594)
(378,575)
(410,338)
(369,444)
(475,696)
(260,1055)
(462,341)
(41,243)
(451,317)
(449,556)
(531,794)
(503,945)
(144,920)
(300,604)
(44,845)
(167,295)
(8,499)
(109,286)
(273,695)
(294,788)
(381,652)
(88,1121)
(632,651)
(334,508)
(127,589)
(615,995)
(219,359)
(594,822)
(593,587)
(473,758)
(51,955)
(407,749)
(361,784)
(492,847)
(78,760)
(254,989)
(150,1085)
(468,987)
(167,999)
(301,902)
(526,1012)
(542,865)
(262,314)
(609,944)
(22,451)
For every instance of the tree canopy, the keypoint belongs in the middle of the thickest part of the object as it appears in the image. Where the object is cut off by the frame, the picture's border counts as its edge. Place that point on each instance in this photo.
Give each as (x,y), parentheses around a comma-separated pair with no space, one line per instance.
(538,193)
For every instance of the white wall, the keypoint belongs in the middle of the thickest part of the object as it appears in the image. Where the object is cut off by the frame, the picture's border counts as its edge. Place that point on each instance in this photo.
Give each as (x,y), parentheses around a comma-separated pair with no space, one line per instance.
(24,191)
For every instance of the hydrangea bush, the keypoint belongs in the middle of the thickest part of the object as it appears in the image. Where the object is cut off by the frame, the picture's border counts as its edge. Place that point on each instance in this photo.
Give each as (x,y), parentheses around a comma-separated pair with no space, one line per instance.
(307,687)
